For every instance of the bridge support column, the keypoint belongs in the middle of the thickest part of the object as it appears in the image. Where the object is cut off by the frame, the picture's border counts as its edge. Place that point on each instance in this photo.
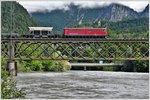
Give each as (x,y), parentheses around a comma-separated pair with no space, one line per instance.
(12,68)
(84,68)
(134,69)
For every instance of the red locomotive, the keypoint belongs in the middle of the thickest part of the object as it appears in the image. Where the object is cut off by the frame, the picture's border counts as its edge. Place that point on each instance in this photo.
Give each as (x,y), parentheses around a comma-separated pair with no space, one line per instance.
(85,32)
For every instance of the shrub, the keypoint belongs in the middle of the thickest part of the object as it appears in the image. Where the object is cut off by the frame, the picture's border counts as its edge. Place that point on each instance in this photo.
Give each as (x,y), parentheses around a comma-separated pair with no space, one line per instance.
(60,66)
(36,65)
(8,85)
(108,68)
(141,66)
(47,65)
(23,66)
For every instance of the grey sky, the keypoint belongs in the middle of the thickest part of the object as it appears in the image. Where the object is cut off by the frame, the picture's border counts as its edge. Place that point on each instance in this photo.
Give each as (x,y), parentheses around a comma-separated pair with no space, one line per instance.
(33,6)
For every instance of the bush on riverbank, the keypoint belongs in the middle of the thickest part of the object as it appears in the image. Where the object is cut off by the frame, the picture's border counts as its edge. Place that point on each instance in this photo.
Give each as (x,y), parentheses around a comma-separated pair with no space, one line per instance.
(8,85)
(138,66)
(47,65)
(57,66)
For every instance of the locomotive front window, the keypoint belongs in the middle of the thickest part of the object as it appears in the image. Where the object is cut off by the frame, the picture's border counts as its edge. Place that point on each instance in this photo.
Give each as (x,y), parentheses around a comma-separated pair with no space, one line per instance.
(36,32)
(31,32)
(89,30)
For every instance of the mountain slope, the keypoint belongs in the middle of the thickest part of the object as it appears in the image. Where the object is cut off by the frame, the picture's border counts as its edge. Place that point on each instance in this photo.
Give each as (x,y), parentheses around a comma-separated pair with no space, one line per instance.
(75,15)
(137,26)
(21,18)
(145,12)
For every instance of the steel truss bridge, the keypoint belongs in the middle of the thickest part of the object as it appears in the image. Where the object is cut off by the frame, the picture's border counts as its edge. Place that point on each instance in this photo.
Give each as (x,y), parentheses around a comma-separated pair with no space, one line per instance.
(75,49)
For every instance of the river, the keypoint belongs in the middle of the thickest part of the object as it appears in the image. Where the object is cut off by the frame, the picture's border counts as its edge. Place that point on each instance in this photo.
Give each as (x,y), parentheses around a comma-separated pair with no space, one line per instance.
(84,85)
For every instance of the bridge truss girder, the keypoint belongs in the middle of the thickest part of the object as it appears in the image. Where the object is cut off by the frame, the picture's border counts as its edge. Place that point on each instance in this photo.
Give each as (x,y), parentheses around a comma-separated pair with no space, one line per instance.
(53,49)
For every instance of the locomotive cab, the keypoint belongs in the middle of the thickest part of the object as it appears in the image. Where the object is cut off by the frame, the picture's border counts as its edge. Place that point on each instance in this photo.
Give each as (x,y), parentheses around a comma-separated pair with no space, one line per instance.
(40,32)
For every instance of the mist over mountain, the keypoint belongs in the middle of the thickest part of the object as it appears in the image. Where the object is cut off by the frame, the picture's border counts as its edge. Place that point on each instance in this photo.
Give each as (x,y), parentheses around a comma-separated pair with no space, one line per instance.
(75,14)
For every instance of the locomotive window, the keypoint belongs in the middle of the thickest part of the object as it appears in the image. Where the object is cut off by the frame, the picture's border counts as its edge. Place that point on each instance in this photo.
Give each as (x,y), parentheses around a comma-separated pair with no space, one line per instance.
(44,32)
(94,30)
(31,32)
(36,32)
(79,30)
(89,30)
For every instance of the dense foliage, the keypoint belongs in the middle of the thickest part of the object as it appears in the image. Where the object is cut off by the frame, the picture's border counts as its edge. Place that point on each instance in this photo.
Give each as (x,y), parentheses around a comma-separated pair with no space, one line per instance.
(46,65)
(137,26)
(21,20)
(8,85)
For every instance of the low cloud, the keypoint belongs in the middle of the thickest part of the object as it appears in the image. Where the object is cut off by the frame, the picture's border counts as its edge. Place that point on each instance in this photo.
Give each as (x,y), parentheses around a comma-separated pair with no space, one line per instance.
(33,6)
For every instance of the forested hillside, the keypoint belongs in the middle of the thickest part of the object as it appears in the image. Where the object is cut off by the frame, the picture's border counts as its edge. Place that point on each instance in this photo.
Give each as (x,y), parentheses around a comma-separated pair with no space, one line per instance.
(130,26)
(21,18)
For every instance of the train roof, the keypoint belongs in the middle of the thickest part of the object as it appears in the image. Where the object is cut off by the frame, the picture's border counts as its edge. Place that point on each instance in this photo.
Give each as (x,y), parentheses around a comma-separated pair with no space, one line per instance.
(85,28)
(40,28)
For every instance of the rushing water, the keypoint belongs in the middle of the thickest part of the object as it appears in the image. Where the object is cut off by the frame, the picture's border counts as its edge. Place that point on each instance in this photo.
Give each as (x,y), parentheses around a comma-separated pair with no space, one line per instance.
(84,84)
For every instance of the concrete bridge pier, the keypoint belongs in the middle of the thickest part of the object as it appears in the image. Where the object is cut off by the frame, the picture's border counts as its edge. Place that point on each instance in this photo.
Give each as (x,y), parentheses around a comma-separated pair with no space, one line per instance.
(12,68)
(84,68)
(134,69)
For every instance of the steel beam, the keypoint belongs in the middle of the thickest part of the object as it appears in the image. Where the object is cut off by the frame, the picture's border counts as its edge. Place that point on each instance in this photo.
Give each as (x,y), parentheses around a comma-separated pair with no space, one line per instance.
(77,49)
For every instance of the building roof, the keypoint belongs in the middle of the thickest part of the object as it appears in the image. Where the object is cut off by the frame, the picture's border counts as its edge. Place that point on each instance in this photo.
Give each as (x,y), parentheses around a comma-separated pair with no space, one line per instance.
(40,28)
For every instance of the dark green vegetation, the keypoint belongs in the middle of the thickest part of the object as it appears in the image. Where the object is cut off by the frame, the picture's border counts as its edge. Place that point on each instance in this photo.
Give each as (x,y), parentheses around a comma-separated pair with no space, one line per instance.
(8,84)
(134,26)
(21,19)
(49,65)
(130,66)
(138,66)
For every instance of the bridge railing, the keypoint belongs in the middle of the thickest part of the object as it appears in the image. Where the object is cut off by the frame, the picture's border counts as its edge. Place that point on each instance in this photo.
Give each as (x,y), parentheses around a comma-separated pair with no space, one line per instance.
(77,49)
